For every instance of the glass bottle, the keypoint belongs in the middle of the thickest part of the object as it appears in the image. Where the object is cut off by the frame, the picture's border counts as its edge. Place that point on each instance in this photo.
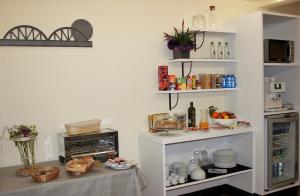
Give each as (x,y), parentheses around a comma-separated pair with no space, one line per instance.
(198,22)
(193,164)
(212,50)
(233,81)
(212,18)
(228,81)
(224,84)
(220,50)
(204,120)
(197,154)
(191,116)
(226,51)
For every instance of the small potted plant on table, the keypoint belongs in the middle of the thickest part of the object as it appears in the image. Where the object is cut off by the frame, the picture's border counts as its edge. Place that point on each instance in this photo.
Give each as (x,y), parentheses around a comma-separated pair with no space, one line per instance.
(181,42)
(24,137)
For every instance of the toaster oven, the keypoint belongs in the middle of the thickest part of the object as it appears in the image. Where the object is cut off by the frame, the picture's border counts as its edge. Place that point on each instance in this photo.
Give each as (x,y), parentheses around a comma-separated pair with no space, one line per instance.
(101,145)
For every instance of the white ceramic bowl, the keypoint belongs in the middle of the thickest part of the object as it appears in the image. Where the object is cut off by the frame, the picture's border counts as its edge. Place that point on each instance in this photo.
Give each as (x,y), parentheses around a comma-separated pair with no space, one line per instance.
(198,174)
(225,122)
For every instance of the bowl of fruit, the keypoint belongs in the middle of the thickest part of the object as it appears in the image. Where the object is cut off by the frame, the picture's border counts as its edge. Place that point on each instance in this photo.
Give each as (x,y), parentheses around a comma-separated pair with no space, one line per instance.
(223,118)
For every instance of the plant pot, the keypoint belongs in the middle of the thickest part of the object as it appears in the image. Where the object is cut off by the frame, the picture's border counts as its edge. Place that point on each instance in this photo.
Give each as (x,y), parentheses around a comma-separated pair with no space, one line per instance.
(181,54)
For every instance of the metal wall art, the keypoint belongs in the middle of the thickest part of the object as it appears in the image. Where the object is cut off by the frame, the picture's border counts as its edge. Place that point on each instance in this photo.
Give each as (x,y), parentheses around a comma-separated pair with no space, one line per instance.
(78,35)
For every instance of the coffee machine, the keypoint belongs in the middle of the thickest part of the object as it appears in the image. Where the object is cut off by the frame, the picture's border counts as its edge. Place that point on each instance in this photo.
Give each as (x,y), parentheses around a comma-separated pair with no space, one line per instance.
(273,95)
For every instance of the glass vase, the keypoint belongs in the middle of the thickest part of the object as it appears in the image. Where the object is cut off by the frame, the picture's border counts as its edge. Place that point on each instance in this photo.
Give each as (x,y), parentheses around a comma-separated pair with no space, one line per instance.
(25,146)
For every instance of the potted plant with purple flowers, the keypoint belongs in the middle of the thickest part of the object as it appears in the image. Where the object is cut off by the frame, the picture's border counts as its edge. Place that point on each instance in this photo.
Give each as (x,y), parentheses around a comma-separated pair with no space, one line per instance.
(181,42)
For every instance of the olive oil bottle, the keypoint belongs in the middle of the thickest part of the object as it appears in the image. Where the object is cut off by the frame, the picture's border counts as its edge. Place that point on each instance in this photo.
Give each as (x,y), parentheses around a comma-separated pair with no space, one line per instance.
(191,116)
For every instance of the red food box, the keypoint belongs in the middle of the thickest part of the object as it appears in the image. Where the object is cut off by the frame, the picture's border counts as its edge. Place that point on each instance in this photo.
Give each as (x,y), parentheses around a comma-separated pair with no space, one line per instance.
(163,82)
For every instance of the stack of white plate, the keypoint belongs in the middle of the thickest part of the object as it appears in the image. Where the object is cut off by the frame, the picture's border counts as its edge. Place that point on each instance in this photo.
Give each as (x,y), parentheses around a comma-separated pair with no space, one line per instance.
(224,158)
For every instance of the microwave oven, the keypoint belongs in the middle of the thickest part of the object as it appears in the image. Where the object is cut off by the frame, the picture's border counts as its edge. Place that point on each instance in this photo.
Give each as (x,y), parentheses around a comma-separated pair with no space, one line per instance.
(278,51)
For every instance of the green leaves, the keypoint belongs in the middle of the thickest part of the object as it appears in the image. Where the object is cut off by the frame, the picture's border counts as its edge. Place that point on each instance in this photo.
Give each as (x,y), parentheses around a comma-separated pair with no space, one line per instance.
(181,40)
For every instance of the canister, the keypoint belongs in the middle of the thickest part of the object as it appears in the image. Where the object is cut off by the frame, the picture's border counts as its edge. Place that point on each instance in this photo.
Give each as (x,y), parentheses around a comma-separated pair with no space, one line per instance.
(194,84)
(189,82)
(178,83)
(163,83)
(172,82)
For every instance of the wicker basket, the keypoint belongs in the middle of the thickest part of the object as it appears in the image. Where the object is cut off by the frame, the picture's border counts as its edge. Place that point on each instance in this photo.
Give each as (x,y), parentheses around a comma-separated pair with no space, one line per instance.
(45,174)
(83,127)
(82,165)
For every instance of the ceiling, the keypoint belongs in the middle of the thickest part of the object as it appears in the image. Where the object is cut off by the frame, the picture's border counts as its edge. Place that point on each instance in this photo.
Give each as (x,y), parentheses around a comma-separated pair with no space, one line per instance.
(275,3)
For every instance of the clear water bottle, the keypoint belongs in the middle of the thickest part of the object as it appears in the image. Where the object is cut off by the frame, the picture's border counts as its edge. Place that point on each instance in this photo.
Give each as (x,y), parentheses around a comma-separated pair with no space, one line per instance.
(280,169)
(220,50)
(233,81)
(226,51)
(212,50)
(212,19)
(224,81)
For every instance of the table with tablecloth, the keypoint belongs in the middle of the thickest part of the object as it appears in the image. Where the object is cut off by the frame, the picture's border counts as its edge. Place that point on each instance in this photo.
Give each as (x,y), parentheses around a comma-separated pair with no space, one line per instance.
(100,181)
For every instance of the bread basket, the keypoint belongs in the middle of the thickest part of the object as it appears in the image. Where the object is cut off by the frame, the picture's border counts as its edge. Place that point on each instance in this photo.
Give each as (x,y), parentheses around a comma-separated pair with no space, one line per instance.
(80,166)
(45,174)
(83,127)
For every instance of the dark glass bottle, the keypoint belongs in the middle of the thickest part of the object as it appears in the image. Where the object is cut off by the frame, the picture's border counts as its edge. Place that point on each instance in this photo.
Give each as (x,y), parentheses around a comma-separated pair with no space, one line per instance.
(191,116)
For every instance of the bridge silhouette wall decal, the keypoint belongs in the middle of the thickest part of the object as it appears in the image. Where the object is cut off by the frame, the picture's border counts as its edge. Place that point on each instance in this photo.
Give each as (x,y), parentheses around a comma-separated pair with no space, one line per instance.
(78,35)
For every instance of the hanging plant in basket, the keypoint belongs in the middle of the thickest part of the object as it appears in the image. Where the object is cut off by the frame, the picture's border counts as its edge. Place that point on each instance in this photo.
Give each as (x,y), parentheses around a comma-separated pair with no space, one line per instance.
(24,137)
(181,42)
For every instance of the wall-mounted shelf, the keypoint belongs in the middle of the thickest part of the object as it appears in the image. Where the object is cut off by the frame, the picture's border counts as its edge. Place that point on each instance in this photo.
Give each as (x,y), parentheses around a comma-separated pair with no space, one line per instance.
(197,91)
(203,60)
(281,64)
(192,91)
(215,31)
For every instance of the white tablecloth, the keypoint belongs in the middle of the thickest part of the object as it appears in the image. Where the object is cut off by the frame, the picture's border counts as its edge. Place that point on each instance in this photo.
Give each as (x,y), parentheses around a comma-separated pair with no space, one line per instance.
(98,182)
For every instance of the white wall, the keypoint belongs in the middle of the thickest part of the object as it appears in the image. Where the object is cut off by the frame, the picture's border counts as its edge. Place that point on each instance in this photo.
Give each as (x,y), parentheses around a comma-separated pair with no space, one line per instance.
(115,80)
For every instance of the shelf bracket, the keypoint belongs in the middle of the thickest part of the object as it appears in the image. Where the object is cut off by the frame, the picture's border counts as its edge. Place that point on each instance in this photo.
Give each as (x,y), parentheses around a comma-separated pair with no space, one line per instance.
(195,40)
(182,69)
(170,101)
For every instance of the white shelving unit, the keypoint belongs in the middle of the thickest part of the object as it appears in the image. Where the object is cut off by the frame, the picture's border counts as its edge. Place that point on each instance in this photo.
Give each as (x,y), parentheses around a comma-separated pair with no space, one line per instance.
(156,151)
(252,69)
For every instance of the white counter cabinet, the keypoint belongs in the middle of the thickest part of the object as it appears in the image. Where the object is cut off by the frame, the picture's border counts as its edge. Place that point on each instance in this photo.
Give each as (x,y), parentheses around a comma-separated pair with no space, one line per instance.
(156,151)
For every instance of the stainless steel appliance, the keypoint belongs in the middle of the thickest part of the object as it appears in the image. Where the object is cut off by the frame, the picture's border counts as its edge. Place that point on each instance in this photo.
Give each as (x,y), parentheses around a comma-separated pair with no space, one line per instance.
(273,92)
(278,51)
(101,145)
(281,150)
